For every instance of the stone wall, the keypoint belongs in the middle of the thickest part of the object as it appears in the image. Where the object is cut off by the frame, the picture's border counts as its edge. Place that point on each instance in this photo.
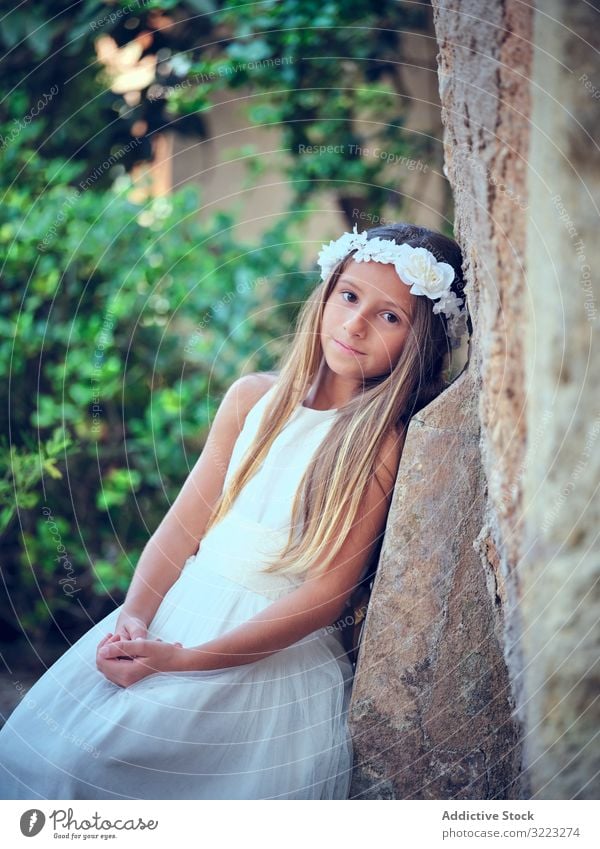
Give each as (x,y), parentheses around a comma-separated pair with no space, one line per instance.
(431,703)
(559,571)
(475,677)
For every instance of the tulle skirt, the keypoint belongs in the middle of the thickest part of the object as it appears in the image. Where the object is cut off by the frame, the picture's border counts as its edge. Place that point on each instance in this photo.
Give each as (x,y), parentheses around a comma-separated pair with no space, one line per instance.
(272,729)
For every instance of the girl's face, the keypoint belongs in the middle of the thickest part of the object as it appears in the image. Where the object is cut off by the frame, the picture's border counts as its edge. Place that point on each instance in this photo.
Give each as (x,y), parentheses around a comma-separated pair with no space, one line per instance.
(369,310)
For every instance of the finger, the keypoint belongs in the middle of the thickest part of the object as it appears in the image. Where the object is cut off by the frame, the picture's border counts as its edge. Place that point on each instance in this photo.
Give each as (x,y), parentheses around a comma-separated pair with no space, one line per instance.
(122,648)
(139,646)
(104,640)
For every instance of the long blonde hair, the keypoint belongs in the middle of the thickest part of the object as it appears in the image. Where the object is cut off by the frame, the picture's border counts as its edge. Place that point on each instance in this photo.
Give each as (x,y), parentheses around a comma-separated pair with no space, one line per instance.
(327,500)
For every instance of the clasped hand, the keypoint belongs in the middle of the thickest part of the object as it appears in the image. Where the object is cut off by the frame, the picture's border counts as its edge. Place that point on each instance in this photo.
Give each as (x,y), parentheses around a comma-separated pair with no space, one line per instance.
(125,661)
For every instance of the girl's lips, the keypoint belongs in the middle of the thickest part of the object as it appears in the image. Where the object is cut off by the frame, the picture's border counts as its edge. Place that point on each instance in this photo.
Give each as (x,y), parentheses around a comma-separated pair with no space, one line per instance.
(346,348)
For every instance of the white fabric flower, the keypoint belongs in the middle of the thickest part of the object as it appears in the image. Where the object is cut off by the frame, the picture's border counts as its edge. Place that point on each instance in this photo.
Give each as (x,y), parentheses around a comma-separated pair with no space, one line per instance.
(426,276)
(335,251)
(449,304)
(377,250)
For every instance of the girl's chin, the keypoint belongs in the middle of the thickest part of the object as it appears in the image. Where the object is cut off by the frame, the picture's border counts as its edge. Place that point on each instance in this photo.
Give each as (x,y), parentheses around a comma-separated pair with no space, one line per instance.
(347,367)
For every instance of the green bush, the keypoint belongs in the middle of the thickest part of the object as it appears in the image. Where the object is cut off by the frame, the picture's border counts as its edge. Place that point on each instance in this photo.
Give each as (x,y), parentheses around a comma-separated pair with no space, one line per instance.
(122,324)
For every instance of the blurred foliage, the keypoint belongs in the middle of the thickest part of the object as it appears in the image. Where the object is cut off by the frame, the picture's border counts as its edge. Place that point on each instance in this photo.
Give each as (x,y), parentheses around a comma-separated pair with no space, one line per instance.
(123,322)
(121,326)
(50,81)
(323,73)
(22,469)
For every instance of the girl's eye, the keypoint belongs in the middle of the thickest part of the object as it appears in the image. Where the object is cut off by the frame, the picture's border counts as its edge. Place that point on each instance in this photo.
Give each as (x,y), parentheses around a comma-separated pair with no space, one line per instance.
(394,316)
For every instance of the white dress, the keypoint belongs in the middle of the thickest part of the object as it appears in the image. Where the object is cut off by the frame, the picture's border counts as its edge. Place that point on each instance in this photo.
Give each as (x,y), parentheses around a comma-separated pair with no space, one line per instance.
(275,728)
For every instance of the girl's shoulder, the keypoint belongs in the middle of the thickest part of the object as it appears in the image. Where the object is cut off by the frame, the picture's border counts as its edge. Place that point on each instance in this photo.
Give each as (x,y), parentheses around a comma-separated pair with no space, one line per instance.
(242,395)
(246,391)
(257,383)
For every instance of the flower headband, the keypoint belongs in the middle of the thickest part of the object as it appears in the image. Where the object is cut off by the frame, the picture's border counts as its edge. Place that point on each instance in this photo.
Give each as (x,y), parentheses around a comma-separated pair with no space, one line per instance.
(416,267)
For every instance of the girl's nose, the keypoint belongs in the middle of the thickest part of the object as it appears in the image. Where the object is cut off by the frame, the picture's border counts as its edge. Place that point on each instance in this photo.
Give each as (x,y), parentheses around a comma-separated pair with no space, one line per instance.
(357,323)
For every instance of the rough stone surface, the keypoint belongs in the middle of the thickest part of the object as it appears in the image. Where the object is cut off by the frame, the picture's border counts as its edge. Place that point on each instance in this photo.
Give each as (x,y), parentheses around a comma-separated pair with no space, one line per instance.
(560,568)
(436,627)
(431,703)
(485,72)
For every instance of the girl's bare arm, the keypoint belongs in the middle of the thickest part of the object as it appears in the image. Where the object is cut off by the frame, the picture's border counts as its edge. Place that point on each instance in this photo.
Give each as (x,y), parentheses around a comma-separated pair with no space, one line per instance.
(179,534)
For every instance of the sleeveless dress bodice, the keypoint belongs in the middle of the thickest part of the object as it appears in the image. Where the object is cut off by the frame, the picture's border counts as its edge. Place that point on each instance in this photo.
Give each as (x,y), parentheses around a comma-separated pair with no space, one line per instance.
(257,523)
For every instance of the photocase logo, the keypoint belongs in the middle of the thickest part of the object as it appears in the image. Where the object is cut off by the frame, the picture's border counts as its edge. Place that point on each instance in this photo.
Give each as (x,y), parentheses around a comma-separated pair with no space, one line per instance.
(32,822)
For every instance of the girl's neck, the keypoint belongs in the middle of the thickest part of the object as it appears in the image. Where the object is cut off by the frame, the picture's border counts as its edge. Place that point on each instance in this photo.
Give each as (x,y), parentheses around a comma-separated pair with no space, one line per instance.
(328,392)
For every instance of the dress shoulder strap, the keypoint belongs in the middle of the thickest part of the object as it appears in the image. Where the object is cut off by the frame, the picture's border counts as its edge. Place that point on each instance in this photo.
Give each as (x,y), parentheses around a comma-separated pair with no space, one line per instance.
(255,412)
(248,431)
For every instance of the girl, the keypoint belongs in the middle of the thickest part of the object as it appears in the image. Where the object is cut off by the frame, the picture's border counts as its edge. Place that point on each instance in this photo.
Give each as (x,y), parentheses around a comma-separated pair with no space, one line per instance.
(220,676)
